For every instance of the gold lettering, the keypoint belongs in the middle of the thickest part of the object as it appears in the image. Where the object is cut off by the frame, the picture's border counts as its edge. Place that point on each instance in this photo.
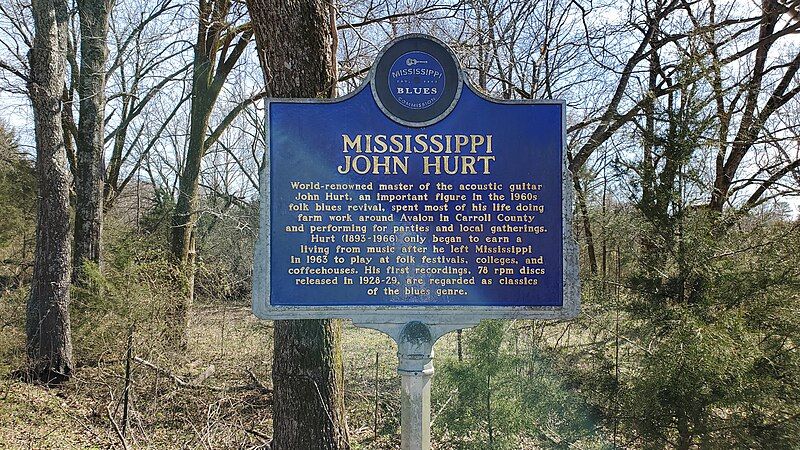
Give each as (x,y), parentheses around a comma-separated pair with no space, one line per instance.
(477,141)
(345,168)
(380,142)
(436,144)
(461,141)
(422,141)
(485,160)
(351,143)
(427,165)
(436,140)
(397,142)
(468,165)
(362,165)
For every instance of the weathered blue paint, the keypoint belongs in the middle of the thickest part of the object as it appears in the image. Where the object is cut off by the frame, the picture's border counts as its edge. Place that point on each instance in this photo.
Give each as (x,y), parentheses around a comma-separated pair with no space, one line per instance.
(306,146)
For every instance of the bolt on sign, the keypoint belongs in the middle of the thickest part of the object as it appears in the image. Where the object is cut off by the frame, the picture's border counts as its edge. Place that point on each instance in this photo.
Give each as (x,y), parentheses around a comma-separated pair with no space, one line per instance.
(415,197)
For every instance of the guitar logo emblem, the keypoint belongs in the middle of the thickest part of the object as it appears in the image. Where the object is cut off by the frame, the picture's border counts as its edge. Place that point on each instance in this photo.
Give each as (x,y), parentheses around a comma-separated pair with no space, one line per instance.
(416,80)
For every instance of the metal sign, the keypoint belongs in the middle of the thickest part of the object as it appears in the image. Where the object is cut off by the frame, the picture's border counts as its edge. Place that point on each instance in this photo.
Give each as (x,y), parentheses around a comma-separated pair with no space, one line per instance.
(415,206)
(416,197)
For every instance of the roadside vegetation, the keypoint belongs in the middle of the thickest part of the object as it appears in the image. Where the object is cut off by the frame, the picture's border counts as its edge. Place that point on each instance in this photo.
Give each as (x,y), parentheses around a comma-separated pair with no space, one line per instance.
(131,142)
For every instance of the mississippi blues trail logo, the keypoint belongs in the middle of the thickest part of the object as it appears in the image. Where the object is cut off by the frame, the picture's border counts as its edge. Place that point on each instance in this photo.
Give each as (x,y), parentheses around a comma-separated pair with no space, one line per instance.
(416,80)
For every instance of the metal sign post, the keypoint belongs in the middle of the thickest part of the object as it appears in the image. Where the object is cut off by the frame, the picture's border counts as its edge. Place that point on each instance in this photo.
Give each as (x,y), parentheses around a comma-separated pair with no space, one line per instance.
(415,206)
(415,341)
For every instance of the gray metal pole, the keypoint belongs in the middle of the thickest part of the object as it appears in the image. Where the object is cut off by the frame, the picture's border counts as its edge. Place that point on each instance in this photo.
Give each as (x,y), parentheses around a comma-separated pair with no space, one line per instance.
(415,341)
(416,408)
(415,366)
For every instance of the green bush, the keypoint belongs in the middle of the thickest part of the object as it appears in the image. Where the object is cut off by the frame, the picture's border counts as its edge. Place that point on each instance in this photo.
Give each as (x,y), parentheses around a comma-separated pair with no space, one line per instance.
(134,291)
(18,220)
(17,230)
(527,402)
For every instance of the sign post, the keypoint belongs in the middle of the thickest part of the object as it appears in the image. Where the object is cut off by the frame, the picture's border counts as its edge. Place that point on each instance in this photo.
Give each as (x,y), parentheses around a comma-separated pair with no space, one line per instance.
(415,206)
(415,341)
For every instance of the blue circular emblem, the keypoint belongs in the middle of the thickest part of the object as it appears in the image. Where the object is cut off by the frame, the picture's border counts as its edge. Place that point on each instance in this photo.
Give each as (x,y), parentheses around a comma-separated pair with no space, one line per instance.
(416,80)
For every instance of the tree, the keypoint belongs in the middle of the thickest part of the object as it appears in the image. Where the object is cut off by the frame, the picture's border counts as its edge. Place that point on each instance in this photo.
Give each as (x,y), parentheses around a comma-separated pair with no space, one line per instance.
(698,324)
(18,221)
(90,164)
(296,44)
(49,342)
(750,106)
(216,52)
(146,88)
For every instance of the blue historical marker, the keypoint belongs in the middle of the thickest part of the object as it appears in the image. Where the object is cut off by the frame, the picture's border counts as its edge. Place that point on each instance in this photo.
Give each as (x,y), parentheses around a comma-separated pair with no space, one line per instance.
(415,195)
(415,206)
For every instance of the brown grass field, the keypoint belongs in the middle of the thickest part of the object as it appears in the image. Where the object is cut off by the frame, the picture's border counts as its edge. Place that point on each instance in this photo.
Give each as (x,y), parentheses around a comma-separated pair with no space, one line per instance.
(215,397)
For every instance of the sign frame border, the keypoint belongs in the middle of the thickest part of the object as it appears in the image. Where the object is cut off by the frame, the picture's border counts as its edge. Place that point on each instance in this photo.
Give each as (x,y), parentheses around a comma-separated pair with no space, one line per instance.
(433,314)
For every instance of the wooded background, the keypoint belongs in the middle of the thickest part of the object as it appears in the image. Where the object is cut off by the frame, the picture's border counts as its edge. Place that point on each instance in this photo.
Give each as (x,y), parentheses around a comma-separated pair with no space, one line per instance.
(131,139)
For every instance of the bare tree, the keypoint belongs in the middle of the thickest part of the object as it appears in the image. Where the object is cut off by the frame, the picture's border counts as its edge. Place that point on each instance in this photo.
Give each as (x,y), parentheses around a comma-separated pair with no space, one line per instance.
(749,106)
(90,158)
(48,329)
(221,41)
(143,62)
(147,88)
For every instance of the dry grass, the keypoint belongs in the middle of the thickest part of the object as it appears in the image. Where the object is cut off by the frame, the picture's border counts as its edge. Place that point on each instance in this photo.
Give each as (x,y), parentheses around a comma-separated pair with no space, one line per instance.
(219,401)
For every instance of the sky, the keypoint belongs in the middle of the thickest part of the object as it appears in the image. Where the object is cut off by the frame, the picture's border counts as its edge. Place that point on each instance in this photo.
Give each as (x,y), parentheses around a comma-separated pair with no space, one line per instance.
(15,109)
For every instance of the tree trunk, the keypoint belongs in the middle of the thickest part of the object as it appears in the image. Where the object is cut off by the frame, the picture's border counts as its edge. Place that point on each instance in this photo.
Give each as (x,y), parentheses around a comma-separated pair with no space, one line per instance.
(188,188)
(205,90)
(684,435)
(308,405)
(296,44)
(90,173)
(49,345)
(587,224)
(203,100)
(297,48)
(185,215)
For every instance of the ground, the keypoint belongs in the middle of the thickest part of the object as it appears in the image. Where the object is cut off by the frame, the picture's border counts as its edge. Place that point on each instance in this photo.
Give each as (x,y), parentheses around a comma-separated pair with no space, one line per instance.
(216,397)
